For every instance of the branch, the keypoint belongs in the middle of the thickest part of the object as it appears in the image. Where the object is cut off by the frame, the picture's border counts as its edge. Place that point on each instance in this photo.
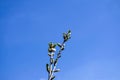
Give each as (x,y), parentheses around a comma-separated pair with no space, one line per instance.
(51,67)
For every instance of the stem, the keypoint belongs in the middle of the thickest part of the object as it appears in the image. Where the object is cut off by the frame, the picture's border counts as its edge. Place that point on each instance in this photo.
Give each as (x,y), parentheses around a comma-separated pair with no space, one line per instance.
(50,74)
(54,67)
(51,67)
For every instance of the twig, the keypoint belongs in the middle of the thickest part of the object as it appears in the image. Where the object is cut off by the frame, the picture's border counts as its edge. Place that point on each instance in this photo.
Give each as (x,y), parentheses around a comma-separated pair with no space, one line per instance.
(51,67)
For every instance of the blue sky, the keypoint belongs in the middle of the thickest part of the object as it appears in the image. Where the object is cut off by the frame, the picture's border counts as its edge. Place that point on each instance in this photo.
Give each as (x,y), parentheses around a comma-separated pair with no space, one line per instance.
(27,26)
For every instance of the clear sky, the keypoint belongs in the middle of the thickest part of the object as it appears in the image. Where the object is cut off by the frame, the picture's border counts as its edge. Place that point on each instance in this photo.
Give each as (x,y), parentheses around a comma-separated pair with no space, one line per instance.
(27,26)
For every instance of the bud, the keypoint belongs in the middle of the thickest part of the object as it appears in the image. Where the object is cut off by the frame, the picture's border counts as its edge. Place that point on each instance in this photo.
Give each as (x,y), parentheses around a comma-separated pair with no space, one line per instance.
(52,61)
(51,45)
(63,47)
(47,68)
(49,54)
(55,62)
(52,77)
(59,56)
(67,35)
(57,70)
(51,50)
(69,31)
(52,54)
